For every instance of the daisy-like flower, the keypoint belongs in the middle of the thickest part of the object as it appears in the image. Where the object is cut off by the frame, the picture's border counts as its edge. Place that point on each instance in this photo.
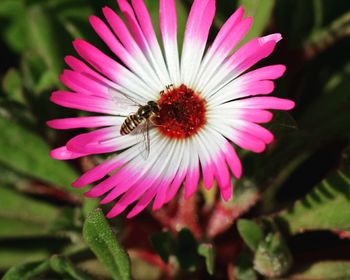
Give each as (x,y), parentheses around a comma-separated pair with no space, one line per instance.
(205,102)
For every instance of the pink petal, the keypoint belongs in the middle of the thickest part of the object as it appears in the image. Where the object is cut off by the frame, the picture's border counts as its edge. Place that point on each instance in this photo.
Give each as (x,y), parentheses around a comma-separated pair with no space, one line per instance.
(96,142)
(227,192)
(145,21)
(256,115)
(98,59)
(233,160)
(248,142)
(83,102)
(98,172)
(197,30)
(222,174)
(208,174)
(227,29)
(168,19)
(264,102)
(83,122)
(191,182)
(255,130)
(120,29)
(162,191)
(271,72)
(111,182)
(253,51)
(175,185)
(80,67)
(143,202)
(63,154)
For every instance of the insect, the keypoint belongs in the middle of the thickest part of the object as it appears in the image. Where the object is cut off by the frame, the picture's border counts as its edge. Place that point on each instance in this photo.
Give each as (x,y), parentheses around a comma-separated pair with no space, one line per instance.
(143,114)
(137,123)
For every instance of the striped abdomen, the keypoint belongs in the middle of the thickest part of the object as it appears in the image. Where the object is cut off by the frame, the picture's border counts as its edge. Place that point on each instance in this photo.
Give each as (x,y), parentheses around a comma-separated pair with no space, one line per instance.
(130,123)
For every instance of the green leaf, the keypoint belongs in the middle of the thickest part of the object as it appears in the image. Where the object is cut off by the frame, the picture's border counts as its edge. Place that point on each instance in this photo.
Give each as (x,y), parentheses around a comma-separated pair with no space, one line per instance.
(164,244)
(7,7)
(12,85)
(26,152)
(186,250)
(243,268)
(102,241)
(43,37)
(324,270)
(326,207)
(26,271)
(34,220)
(251,233)
(65,268)
(261,11)
(207,251)
(272,257)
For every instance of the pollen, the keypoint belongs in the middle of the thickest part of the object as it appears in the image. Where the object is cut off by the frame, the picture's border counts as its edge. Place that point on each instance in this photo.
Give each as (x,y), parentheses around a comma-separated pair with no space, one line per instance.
(182,113)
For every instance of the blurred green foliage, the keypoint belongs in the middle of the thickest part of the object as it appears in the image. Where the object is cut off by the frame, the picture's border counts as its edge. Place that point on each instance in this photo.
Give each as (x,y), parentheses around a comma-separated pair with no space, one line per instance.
(294,199)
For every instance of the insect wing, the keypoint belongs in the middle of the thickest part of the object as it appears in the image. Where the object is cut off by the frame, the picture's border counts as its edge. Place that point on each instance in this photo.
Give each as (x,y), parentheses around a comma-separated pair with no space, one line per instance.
(124,104)
(143,138)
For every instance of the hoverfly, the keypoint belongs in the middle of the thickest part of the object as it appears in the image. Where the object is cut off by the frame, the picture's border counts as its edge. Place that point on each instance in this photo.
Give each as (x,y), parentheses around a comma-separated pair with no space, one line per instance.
(137,123)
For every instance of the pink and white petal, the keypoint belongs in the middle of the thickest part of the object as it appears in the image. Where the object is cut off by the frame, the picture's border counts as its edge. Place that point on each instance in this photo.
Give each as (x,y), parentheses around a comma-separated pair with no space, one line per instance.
(98,172)
(248,55)
(241,139)
(143,35)
(143,202)
(123,175)
(164,171)
(232,160)
(82,84)
(252,129)
(120,30)
(84,102)
(251,115)
(145,21)
(80,67)
(196,35)
(225,33)
(174,161)
(254,51)
(236,90)
(260,102)
(138,66)
(146,176)
(62,153)
(168,28)
(110,68)
(247,141)
(181,171)
(271,72)
(205,158)
(107,167)
(219,52)
(128,175)
(111,89)
(104,140)
(252,83)
(84,122)
(123,34)
(222,174)
(128,198)
(192,176)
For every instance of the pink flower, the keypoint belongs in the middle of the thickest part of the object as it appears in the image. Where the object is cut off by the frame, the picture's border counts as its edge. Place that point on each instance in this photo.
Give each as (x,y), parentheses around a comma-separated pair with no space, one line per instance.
(205,101)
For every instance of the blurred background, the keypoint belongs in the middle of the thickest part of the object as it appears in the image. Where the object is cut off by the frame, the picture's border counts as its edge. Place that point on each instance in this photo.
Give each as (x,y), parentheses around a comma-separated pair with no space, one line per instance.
(290,216)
